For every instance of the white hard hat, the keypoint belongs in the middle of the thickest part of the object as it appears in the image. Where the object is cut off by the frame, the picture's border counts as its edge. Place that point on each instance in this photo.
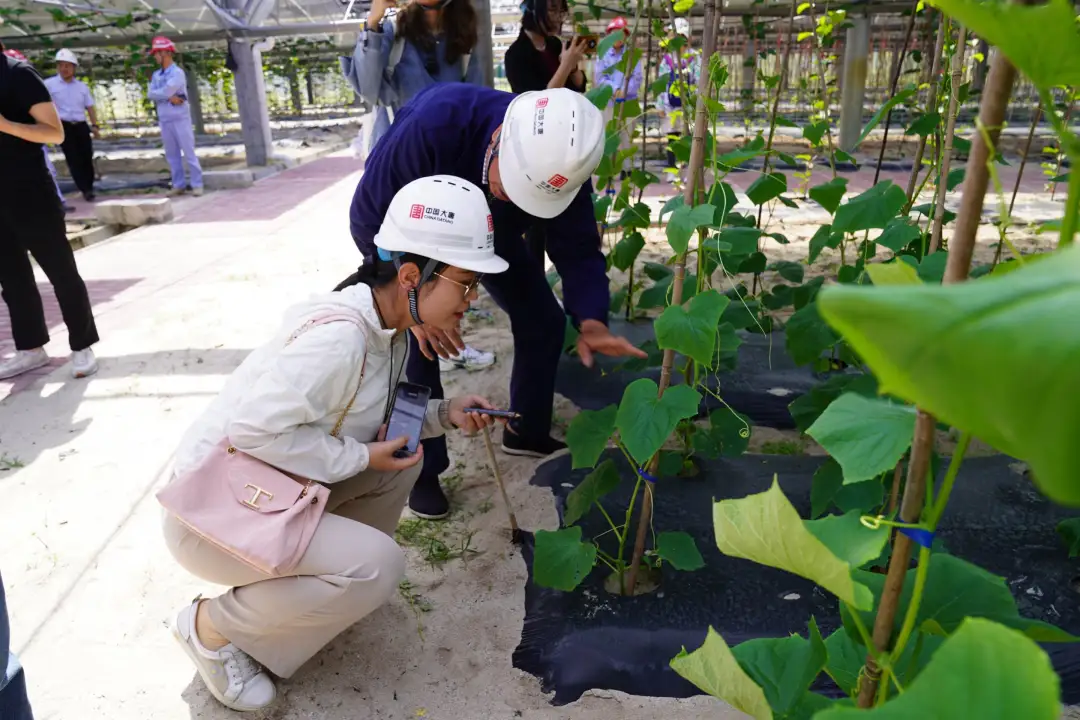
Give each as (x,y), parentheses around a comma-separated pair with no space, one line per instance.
(65,55)
(442,218)
(552,141)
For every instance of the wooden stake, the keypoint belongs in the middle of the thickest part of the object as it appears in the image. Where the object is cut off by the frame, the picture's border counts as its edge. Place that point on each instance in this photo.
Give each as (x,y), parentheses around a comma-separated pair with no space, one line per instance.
(930,106)
(950,132)
(895,82)
(991,114)
(697,161)
(514,531)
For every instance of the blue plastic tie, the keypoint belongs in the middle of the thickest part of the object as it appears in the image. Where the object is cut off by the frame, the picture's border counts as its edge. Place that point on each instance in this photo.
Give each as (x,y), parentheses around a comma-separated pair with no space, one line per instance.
(620,100)
(921,537)
(646,476)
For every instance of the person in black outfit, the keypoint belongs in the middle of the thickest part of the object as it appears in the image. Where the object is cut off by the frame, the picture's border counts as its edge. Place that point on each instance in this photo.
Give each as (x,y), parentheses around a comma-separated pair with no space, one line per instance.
(539,60)
(14,705)
(32,219)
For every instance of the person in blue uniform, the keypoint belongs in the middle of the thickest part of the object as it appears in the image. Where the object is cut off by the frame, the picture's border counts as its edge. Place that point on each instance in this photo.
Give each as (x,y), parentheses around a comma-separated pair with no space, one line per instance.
(534,154)
(168,91)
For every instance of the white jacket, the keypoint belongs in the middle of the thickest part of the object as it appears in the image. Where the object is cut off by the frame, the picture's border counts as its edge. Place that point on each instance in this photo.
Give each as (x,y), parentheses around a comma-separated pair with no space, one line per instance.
(282,402)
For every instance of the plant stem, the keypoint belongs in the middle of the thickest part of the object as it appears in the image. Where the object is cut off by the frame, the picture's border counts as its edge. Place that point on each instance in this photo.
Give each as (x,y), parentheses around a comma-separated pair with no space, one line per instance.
(950,132)
(892,89)
(991,113)
(1027,148)
(697,157)
(931,104)
(942,499)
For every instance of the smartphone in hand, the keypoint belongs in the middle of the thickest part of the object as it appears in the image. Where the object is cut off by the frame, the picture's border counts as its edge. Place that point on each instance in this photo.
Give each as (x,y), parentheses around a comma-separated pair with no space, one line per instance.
(407,416)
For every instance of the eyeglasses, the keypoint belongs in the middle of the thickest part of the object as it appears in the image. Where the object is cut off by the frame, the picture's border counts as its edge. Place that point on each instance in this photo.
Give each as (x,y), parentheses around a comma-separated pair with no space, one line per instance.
(489,157)
(469,289)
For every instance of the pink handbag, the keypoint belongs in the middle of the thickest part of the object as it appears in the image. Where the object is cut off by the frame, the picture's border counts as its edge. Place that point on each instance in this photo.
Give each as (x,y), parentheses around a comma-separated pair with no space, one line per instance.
(256,513)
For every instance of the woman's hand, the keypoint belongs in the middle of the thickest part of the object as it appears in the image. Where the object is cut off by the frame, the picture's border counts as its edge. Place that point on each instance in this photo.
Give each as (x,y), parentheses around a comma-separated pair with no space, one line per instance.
(574,52)
(381,454)
(375,15)
(470,422)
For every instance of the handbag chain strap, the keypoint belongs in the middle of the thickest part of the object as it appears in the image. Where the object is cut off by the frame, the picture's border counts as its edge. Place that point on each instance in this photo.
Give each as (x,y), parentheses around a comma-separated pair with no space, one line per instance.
(341,418)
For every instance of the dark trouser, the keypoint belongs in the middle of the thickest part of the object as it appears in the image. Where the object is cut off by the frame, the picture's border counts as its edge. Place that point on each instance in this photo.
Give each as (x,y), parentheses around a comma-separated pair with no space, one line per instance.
(78,147)
(536,240)
(672,138)
(538,325)
(14,704)
(32,219)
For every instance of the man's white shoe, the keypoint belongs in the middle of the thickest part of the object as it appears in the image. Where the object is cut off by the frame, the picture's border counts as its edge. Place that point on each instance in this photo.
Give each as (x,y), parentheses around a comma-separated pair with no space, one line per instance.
(230,674)
(469,359)
(83,363)
(23,361)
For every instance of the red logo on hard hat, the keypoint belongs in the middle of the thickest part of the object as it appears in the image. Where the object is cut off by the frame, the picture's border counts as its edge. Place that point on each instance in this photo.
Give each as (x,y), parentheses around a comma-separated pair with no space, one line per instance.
(542,103)
(416,212)
(557,181)
(491,224)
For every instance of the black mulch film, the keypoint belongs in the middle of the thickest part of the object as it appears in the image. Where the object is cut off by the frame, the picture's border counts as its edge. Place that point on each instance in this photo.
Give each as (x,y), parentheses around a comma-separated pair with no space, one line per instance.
(591,639)
(765,381)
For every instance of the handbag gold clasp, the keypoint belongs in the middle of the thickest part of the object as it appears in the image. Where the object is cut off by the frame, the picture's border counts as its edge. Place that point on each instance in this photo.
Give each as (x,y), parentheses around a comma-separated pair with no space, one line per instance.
(253,503)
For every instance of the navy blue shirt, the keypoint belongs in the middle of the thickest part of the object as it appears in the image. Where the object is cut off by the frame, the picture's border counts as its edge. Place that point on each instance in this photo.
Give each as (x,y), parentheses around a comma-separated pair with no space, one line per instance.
(445,130)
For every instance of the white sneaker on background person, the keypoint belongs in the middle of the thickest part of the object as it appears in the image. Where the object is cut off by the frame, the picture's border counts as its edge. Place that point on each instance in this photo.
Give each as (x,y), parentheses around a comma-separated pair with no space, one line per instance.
(23,361)
(469,359)
(230,674)
(83,363)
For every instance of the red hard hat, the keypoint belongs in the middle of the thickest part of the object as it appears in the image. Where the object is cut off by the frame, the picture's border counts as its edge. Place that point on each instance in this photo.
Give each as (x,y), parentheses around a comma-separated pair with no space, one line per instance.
(162,43)
(618,23)
(15,54)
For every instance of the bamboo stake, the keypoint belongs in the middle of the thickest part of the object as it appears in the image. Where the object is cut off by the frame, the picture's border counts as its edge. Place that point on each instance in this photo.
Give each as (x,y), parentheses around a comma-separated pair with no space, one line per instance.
(991,114)
(1019,176)
(950,132)
(930,106)
(892,88)
(697,160)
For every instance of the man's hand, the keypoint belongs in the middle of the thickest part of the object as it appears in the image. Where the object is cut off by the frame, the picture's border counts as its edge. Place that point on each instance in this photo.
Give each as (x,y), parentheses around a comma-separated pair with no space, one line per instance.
(176,100)
(432,342)
(96,132)
(594,337)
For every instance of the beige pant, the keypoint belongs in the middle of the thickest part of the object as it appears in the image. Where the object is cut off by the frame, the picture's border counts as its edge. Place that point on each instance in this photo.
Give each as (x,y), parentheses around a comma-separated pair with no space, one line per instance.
(351,567)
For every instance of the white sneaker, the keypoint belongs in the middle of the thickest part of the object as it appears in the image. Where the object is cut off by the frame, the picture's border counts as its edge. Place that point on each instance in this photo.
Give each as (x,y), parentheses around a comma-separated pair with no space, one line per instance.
(230,674)
(470,359)
(23,361)
(197,192)
(83,363)
(177,191)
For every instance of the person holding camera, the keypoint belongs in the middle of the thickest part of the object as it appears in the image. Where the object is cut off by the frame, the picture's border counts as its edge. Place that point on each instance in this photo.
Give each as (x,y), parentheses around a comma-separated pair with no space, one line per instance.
(300,430)
(401,52)
(540,60)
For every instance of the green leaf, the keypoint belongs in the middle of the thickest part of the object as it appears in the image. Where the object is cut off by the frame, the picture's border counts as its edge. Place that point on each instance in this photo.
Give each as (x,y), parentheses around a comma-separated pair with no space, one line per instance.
(637,216)
(984,671)
(756,263)
(728,434)
(867,436)
(924,124)
(601,205)
(691,329)
(782,121)
(714,669)
(596,485)
(1023,33)
(823,238)
(955,177)
(815,132)
(961,146)
(919,341)
(735,158)
(900,97)
(743,241)
(684,222)
(808,407)
(894,273)
(645,421)
(561,560)
(790,271)
(787,544)
(871,209)
(898,234)
(1069,531)
(627,250)
(783,667)
(932,267)
(828,195)
(600,96)
(847,657)
(766,187)
(956,589)
(807,335)
(588,435)
(848,538)
(608,42)
(679,550)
